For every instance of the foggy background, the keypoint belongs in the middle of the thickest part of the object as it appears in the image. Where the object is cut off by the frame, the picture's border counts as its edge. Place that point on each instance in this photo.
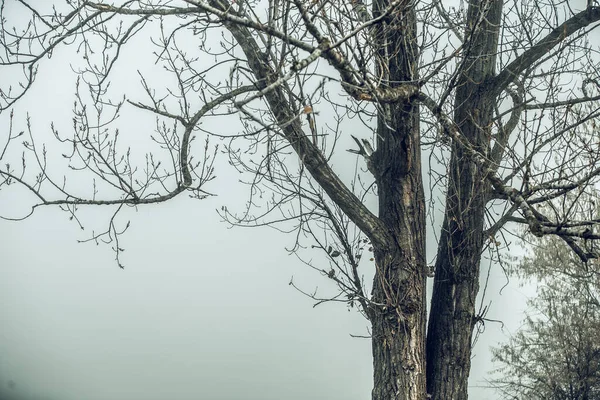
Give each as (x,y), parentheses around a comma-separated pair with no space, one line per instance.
(201,311)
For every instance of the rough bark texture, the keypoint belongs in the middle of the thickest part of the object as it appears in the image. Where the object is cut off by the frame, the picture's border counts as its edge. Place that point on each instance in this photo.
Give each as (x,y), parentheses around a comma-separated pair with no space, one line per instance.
(456,284)
(399,326)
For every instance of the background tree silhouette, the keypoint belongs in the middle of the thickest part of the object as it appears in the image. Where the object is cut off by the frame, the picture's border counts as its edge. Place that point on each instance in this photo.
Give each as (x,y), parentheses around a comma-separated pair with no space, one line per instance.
(556,353)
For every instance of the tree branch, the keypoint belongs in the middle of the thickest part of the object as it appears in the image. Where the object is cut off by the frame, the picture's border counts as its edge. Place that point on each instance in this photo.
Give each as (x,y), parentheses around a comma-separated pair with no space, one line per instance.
(525,60)
(309,154)
(539,225)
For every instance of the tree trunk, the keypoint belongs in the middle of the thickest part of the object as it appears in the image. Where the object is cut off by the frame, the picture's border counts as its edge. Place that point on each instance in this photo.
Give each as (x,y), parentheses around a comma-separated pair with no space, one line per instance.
(399,285)
(456,284)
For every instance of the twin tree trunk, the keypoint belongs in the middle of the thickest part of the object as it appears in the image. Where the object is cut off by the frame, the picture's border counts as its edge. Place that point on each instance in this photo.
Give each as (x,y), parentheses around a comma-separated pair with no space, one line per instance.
(410,362)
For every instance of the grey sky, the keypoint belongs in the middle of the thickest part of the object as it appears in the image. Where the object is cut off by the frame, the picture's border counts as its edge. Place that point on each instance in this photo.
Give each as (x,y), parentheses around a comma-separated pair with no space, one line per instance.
(200,312)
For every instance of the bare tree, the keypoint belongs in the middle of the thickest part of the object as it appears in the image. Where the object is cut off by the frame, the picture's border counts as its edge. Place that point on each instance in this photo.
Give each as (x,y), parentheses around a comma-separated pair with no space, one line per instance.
(500,95)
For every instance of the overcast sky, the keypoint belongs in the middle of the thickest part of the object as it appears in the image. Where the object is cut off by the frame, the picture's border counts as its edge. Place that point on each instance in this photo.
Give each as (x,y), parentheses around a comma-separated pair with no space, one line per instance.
(201,311)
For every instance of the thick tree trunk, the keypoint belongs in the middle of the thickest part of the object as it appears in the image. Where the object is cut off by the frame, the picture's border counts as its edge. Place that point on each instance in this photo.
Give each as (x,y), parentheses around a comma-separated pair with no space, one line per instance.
(398,333)
(456,284)
(399,285)
(455,290)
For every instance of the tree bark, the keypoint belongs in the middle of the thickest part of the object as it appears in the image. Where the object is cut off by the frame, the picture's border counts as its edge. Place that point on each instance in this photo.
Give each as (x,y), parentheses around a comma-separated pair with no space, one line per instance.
(399,284)
(452,316)
(398,327)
